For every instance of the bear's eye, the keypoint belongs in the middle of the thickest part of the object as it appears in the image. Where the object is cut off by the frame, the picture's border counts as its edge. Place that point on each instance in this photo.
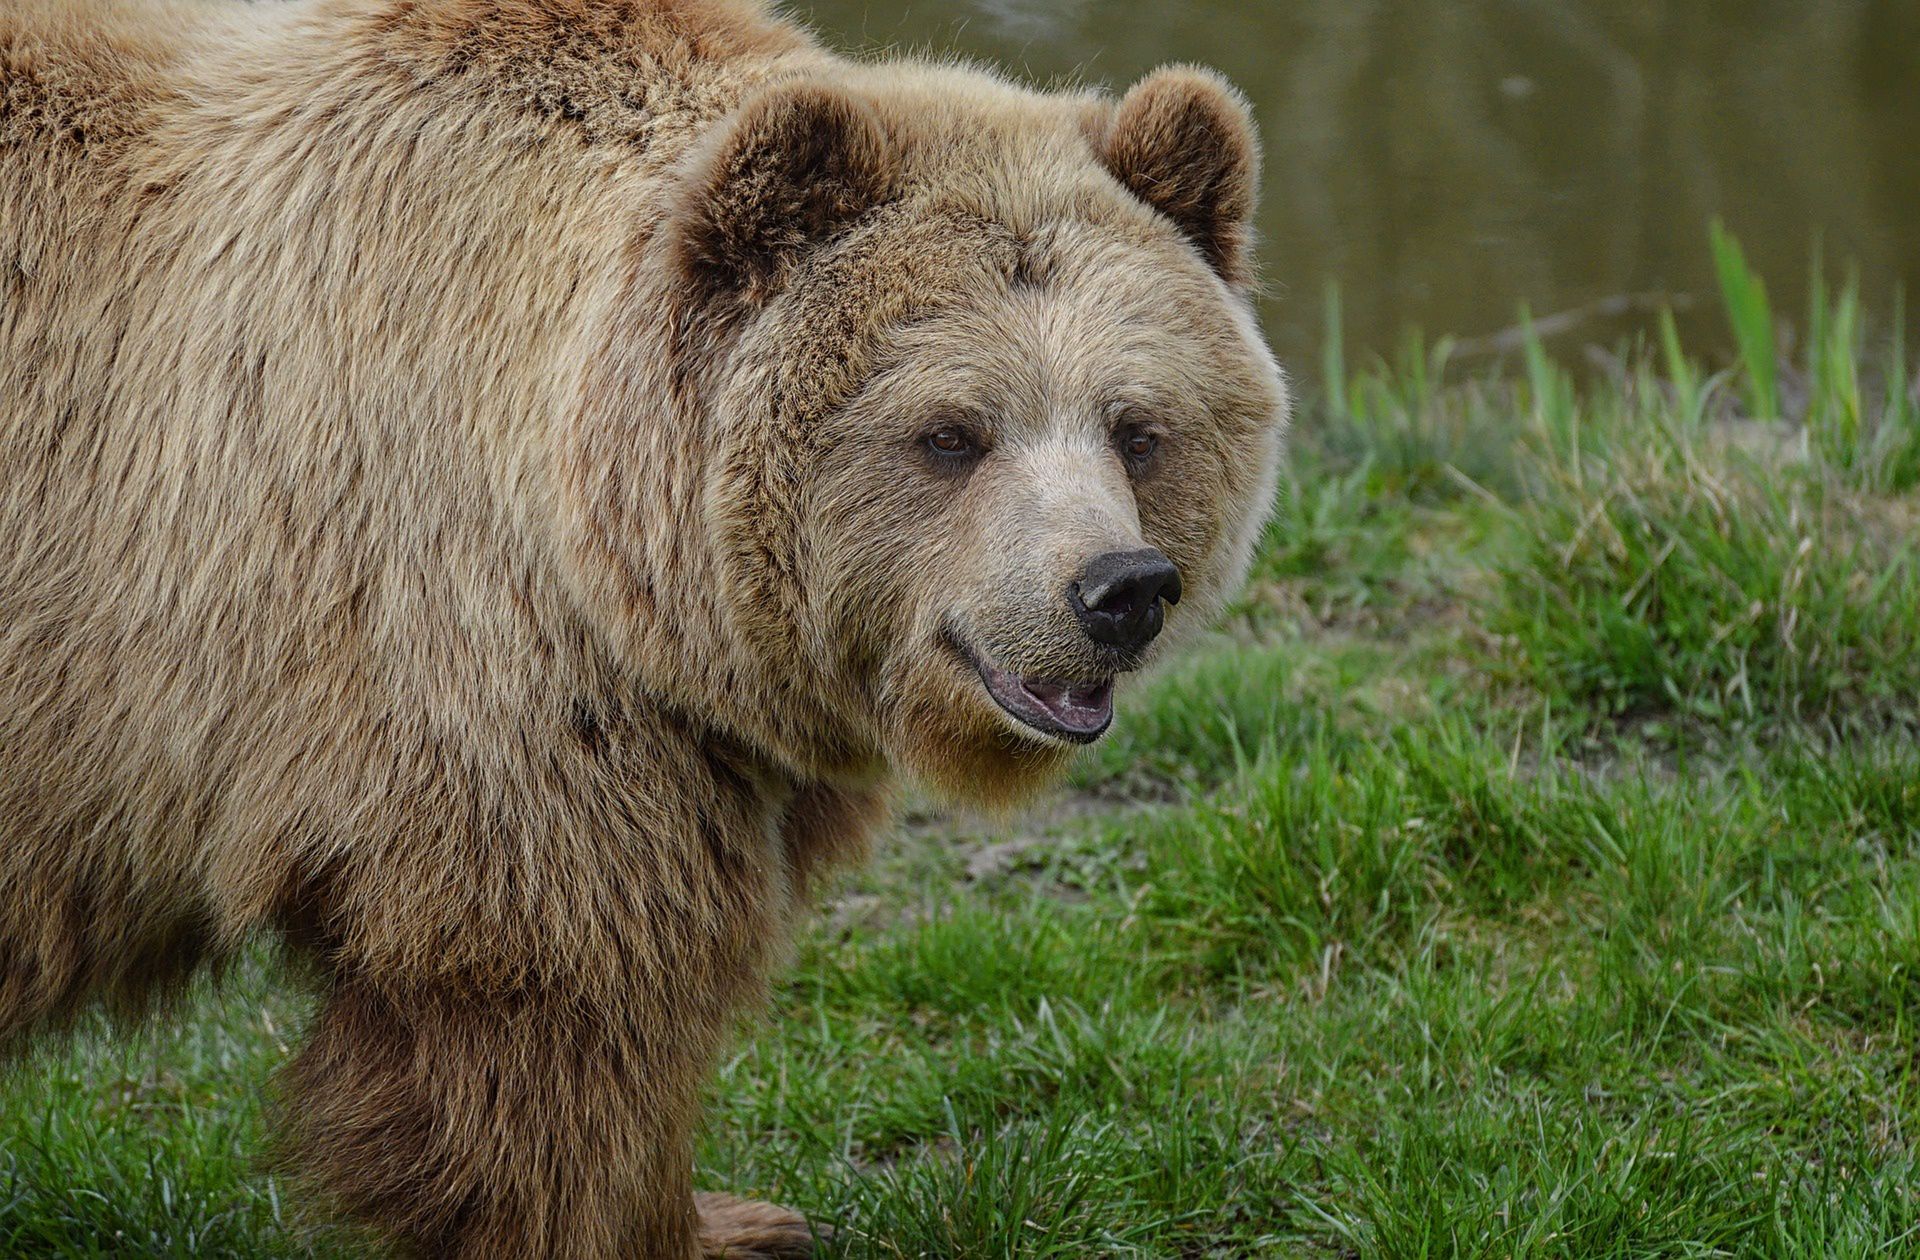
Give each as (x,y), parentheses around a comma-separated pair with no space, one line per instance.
(1137,446)
(951,440)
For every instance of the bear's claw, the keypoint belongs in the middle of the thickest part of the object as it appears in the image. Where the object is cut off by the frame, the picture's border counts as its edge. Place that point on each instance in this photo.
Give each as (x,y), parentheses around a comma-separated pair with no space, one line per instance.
(742,1229)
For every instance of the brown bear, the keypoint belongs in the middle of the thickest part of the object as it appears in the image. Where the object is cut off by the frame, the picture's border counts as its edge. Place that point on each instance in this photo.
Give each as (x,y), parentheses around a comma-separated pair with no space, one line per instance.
(493,492)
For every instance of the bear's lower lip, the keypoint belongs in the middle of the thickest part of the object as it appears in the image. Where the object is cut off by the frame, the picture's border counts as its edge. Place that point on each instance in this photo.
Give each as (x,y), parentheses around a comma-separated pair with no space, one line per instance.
(1077,712)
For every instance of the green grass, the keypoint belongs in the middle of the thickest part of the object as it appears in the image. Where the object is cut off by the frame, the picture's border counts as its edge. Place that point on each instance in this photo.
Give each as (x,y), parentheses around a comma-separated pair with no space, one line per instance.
(1745,296)
(1530,866)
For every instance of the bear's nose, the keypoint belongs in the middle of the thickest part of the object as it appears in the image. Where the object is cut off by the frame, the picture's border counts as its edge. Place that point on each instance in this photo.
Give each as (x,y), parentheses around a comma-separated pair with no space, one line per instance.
(1118,598)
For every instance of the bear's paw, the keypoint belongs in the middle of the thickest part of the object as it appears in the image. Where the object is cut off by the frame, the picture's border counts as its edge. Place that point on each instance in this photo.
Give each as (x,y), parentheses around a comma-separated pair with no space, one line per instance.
(742,1229)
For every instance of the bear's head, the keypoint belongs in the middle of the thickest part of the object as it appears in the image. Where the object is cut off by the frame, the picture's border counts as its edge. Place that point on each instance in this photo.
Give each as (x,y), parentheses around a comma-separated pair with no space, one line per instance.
(987,418)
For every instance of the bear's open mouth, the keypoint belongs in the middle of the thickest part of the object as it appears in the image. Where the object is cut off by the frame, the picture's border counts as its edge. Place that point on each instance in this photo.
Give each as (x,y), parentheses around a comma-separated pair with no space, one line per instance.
(1078,712)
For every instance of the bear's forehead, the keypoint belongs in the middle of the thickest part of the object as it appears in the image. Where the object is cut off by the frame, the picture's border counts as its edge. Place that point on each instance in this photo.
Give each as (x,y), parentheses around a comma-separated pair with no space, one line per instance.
(976,143)
(1068,353)
(930,103)
(1070,307)
(1009,270)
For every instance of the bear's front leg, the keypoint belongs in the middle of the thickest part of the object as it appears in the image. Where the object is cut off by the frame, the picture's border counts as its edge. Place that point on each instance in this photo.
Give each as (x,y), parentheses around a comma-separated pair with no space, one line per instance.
(471,1126)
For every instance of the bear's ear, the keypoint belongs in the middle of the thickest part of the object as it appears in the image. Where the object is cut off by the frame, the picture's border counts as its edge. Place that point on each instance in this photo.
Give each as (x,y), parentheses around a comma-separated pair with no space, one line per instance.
(1183,141)
(796,162)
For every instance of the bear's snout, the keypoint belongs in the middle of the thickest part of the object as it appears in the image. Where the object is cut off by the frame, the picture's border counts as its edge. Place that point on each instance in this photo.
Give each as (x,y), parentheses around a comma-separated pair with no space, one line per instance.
(1118,599)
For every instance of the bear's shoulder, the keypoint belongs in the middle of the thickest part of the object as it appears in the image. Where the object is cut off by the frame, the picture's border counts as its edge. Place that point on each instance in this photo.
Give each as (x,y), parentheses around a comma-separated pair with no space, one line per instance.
(87,72)
(713,30)
(610,67)
(84,77)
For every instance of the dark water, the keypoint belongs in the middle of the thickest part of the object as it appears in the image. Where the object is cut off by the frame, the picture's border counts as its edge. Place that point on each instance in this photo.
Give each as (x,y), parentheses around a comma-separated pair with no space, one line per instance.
(1445,160)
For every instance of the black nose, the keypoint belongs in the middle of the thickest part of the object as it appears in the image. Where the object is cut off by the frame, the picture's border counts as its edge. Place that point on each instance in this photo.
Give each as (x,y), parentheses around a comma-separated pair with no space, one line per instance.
(1118,598)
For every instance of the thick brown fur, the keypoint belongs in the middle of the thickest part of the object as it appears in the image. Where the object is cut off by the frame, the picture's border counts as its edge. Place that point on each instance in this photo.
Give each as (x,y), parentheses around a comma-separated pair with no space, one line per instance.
(461,512)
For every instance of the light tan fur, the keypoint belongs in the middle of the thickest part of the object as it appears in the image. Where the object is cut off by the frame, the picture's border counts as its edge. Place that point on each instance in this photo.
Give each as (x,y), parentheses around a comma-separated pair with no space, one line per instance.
(463,509)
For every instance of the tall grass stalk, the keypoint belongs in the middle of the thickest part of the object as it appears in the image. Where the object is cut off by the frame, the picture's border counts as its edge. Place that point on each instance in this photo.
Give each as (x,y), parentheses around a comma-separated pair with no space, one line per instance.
(1835,413)
(1333,357)
(1896,438)
(1745,296)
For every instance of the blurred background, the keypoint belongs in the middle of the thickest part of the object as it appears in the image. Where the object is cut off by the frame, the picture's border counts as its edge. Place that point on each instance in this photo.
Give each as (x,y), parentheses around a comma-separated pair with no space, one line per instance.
(1445,160)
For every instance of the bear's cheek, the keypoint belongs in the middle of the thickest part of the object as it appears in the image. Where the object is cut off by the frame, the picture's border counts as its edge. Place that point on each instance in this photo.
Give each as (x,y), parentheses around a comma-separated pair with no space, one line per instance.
(944,731)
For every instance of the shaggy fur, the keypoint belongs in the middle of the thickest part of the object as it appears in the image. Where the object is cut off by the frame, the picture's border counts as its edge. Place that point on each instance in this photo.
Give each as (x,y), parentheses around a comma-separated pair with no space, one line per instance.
(464,510)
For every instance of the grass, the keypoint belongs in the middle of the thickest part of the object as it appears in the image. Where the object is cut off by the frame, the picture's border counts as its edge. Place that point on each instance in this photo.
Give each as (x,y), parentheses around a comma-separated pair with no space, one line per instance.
(1745,296)
(1529,867)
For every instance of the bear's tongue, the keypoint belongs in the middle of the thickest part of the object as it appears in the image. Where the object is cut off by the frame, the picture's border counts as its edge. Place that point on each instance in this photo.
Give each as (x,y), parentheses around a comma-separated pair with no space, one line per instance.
(1082,707)
(1079,712)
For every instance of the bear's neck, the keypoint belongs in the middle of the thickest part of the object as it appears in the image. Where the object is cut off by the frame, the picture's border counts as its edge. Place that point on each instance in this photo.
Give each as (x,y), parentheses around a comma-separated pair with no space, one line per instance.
(441,287)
